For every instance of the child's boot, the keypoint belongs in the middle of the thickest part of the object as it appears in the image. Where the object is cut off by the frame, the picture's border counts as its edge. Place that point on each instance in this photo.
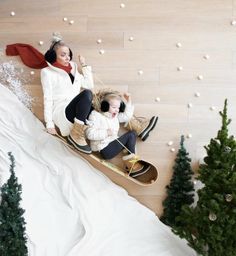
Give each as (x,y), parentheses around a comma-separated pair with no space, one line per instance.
(77,137)
(133,166)
(142,126)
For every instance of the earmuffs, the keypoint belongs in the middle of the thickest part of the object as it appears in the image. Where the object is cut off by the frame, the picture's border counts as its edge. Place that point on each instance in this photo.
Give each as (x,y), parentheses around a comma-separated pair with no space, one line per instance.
(51,56)
(105,106)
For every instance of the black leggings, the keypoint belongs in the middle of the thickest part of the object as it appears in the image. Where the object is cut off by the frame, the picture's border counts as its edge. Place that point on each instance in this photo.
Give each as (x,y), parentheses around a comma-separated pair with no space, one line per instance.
(114,148)
(80,107)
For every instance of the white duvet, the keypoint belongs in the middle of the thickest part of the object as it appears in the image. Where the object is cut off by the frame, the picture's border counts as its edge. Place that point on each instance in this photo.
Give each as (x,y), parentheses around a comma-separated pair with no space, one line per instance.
(71,208)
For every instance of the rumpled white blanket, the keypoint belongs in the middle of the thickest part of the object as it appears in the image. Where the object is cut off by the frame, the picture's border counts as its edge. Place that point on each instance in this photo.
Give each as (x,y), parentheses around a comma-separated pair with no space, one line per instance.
(71,208)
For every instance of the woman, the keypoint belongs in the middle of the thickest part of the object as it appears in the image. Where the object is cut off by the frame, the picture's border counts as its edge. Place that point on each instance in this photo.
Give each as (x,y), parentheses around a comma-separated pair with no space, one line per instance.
(65,105)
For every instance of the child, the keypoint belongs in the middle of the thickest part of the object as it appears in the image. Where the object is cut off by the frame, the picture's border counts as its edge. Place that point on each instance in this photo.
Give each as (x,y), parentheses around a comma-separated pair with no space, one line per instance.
(103,131)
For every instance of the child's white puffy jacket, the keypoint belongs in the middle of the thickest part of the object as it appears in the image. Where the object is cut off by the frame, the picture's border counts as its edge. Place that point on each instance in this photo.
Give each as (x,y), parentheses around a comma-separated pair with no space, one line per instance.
(99,123)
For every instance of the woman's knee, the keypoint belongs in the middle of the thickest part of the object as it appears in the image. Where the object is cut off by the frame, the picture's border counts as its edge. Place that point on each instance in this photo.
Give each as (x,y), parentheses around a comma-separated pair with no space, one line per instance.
(87,94)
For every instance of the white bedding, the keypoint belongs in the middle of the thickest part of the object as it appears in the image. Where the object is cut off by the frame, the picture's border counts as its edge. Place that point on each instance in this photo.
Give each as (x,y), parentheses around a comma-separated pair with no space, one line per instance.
(71,208)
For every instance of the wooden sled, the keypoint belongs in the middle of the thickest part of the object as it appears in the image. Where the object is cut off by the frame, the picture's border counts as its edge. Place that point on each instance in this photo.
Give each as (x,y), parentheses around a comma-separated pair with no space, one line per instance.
(145,179)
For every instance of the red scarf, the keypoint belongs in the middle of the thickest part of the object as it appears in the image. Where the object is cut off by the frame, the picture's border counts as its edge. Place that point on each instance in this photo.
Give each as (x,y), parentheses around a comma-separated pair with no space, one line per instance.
(30,56)
(65,68)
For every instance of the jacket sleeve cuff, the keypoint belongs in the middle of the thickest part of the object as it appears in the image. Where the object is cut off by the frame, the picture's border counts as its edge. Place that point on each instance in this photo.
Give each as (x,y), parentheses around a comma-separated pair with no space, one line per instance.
(50,125)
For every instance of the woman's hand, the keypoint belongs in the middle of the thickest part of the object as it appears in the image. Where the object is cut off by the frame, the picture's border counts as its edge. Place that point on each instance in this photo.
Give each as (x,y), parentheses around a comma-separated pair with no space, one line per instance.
(51,131)
(82,61)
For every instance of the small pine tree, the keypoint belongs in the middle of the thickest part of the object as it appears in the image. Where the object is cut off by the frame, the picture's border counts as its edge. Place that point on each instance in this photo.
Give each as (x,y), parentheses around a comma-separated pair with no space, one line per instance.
(12,223)
(210,227)
(180,191)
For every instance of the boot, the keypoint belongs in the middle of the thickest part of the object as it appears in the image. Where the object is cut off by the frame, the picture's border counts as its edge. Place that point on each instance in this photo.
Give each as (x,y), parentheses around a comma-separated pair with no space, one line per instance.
(77,138)
(142,126)
(133,166)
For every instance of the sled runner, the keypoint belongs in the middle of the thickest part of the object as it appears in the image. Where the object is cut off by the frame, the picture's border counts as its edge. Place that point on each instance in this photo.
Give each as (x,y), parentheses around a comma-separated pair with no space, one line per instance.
(145,179)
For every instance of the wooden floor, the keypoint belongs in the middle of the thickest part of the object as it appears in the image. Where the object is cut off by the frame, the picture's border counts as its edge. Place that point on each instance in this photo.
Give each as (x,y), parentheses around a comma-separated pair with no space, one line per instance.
(176,57)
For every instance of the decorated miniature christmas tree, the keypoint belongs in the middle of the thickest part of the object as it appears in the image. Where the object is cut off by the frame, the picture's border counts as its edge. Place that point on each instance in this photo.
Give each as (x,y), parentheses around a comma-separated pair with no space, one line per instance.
(12,223)
(210,227)
(180,191)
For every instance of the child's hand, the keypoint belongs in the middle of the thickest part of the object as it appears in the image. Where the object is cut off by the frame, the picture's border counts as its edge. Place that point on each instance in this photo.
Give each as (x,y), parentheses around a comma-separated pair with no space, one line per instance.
(127,96)
(82,60)
(109,132)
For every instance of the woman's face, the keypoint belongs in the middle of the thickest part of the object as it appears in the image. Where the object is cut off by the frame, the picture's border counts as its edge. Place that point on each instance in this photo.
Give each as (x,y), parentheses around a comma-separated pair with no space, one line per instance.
(63,55)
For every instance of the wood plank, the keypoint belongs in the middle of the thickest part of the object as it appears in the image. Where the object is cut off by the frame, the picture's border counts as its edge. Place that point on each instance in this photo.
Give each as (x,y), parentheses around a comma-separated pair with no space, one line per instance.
(31,23)
(212,77)
(192,40)
(138,8)
(169,60)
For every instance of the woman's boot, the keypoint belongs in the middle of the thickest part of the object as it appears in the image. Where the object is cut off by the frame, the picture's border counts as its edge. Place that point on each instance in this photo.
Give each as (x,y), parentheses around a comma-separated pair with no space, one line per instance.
(77,137)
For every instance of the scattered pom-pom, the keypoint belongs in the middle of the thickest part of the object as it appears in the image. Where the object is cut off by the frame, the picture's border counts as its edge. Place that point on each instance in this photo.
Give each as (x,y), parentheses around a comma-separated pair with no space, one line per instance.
(178,45)
(189,136)
(71,22)
(41,42)
(101,51)
(65,19)
(122,5)
(157,99)
(131,38)
(233,22)
(99,41)
(206,57)
(12,13)
(190,105)
(140,72)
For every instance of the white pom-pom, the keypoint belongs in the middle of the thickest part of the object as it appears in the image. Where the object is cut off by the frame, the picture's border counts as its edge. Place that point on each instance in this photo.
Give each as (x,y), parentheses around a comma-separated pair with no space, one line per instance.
(102,51)
(200,77)
(32,73)
(172,149)
(99,41)
(170,143)
(157,99)
(56,37)
(189,136)
(122,5)
(71,22)
(212,108)
(13,13)
(233,22)
(178,45)
(41,42)
(190,105)
(206,57)
(179,68)
(140,72)
(131,38)
(197,94)
(65,19)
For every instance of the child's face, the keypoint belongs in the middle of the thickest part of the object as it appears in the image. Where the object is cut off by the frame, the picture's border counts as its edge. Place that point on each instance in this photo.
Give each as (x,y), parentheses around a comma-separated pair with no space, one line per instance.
(114,107)
(63,55)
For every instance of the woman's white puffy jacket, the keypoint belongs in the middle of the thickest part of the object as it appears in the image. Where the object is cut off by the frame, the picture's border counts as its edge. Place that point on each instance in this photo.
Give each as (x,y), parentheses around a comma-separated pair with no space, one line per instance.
(99,123)
(58,91)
